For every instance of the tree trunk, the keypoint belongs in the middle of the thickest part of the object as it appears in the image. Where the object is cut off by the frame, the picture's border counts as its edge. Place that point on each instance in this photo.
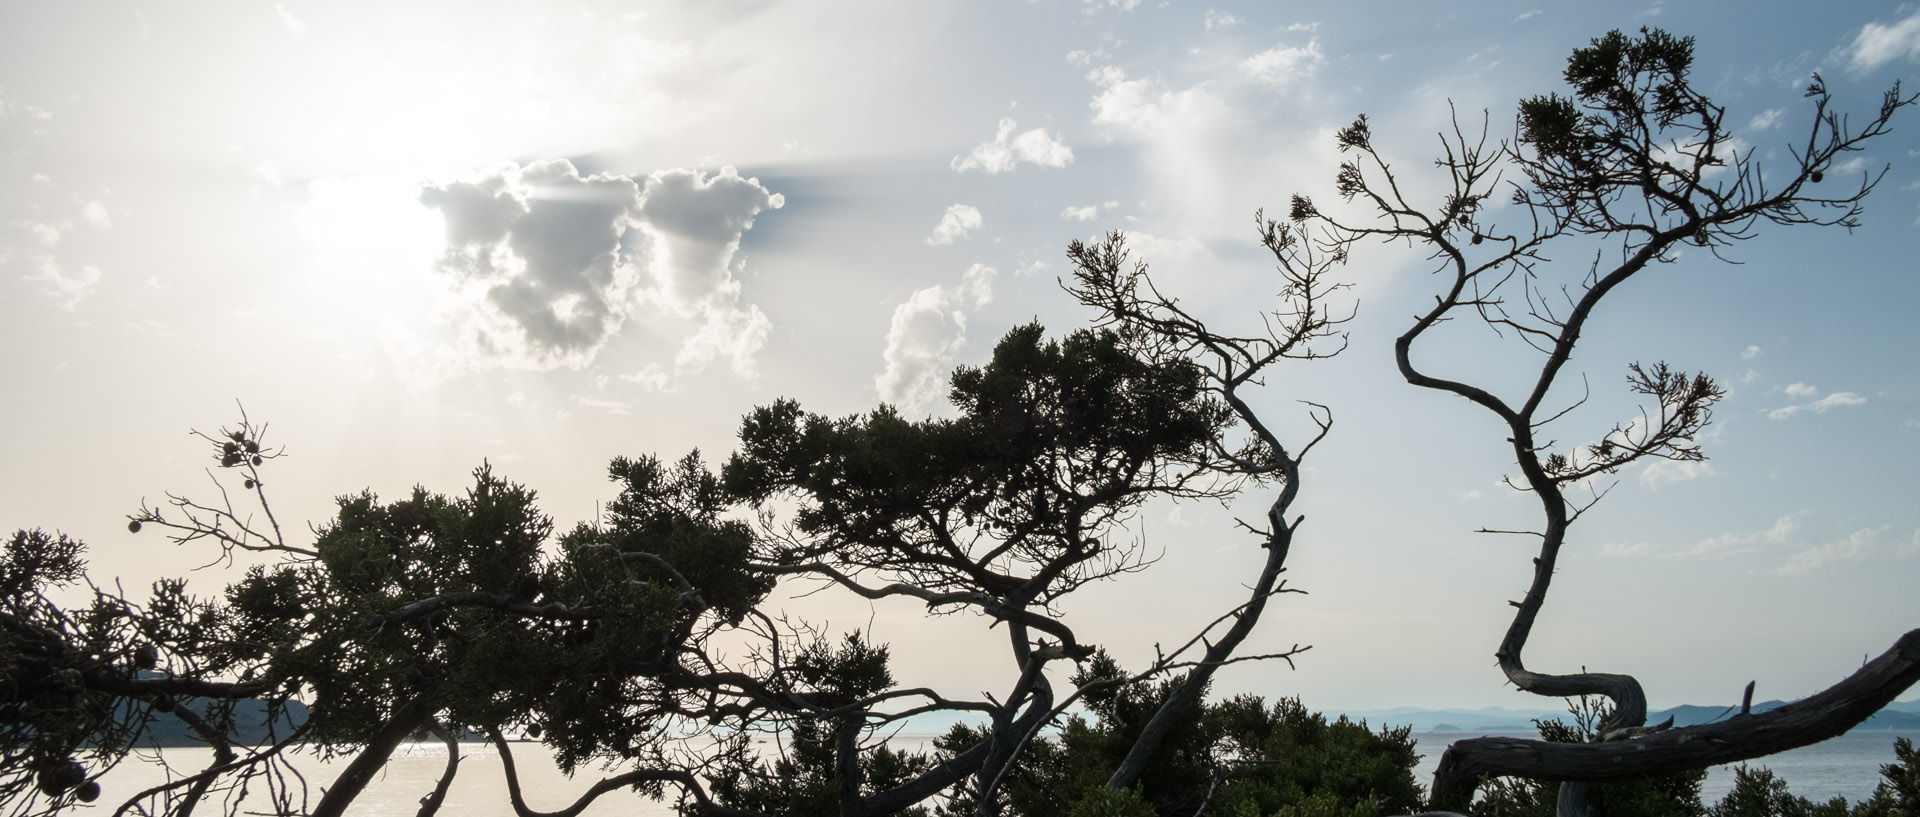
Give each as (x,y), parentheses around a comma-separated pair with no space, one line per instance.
(411,716)
(430,804)
(1826,714)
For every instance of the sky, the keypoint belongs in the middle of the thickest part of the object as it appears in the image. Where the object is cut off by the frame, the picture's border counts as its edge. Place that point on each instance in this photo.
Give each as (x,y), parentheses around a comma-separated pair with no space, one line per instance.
(413,238)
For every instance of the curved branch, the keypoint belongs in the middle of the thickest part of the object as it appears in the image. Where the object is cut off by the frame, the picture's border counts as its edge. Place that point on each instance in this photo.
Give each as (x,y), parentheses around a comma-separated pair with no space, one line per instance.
(685,780)
(1826,714)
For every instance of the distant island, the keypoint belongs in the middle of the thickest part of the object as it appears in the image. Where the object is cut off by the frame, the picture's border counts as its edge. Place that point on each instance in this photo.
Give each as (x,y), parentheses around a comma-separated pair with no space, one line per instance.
(1903,716)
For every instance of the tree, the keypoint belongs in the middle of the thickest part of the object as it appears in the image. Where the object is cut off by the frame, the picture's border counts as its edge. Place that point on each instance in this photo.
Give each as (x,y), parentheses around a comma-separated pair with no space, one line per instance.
(450,614)
(1671,794)
(1640,162)
(1020,500)
(1235,756)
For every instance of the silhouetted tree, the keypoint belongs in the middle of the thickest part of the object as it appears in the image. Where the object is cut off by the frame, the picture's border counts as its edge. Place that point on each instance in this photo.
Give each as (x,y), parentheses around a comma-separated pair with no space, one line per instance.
(1641,162)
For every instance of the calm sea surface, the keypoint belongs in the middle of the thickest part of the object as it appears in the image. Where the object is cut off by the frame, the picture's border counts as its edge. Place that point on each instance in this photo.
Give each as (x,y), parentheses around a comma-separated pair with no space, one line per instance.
(1848,766)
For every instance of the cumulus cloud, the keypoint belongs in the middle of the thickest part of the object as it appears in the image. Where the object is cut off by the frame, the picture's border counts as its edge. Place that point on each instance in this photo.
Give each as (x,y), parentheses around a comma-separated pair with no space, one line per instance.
(1220,20)
(544,243)
(958,222)
(926,331)
(1085,213)
(1878,44)
(1007,151)
(1284,64)
(1750,353)
(695,223)
(563,259)
(1801,391)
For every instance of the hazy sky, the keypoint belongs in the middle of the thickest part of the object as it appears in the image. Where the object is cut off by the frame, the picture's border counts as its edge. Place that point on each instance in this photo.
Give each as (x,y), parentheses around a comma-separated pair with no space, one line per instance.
(413,237)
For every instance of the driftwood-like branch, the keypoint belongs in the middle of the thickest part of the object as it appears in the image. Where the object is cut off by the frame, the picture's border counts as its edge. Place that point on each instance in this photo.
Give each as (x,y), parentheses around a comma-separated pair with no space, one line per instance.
(1824,715)
(684,779)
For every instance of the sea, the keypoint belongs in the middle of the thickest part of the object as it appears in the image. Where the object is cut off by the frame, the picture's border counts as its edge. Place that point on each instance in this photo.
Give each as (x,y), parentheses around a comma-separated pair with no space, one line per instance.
(1847,766)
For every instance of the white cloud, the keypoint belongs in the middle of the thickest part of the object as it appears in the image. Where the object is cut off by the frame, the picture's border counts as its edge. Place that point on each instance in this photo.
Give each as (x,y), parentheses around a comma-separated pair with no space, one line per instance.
(1838,399)
(1283,64)
(1211,151)
(1086,213)
(48,234)
(1007,151)
(563,260)
(926,331)
(1717,547)
(1802,391)
(650,378)
(1220,20)
(95,212)
(695,223)
(1768,120)
(68,288)
(1857,164)
(1527,15)
(1878,44)
(730,333)
(1860,544)
(959,221)
(1666,472)
(544,243)
(1154,249)
(1750,353)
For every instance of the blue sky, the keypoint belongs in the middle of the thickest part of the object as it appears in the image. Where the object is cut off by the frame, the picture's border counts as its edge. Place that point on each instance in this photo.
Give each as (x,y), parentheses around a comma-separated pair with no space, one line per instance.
(413,238)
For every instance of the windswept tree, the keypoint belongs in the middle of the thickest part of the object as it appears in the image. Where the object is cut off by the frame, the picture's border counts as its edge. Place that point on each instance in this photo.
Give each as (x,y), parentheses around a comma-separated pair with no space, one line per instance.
(1023,497)
(1639,164)
(466,614)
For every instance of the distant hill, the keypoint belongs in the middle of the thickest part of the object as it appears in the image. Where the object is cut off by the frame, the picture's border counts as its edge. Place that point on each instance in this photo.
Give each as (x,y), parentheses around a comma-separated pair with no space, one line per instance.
(250,726)
(1899,716)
